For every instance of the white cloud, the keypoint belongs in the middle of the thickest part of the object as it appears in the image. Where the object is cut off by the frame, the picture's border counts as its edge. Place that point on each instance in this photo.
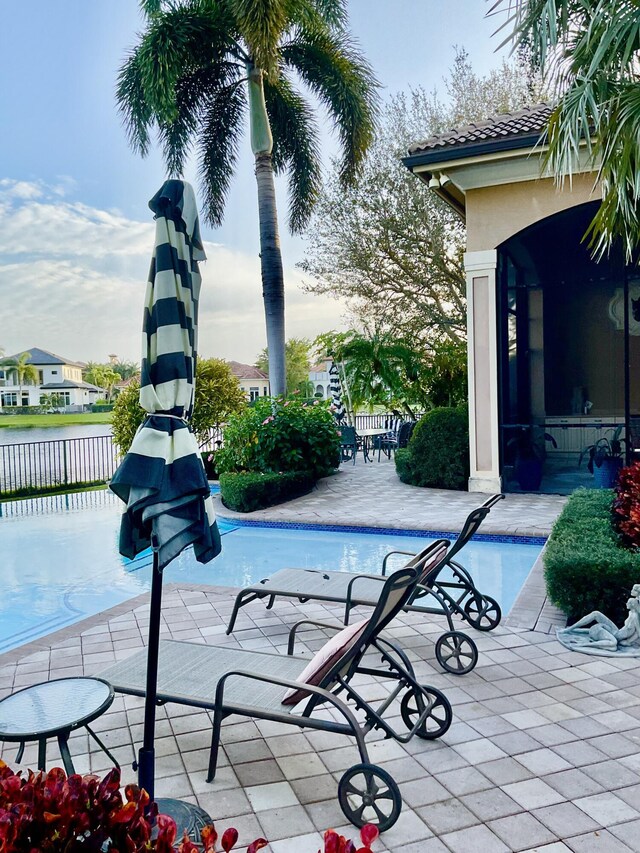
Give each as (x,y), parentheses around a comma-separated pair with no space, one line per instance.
(72,280)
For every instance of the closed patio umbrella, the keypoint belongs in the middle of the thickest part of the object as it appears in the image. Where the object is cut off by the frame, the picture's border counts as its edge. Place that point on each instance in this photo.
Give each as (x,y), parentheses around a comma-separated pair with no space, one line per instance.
(162,478)
(335,387)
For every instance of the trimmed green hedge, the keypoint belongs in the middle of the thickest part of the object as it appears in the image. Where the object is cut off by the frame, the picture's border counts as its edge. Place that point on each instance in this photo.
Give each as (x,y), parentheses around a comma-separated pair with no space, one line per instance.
(585,566)
(248,490)
(438,453)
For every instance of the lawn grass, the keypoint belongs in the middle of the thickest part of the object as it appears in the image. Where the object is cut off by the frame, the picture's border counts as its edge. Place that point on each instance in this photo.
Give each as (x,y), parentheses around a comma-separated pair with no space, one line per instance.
(55,420)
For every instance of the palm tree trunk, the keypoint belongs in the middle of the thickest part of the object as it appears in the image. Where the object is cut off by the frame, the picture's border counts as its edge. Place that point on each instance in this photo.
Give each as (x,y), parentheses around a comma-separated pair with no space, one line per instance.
(270,254)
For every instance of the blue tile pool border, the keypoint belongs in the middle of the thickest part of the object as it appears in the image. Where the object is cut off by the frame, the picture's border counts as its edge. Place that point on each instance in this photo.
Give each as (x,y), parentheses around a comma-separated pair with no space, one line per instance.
(385,531)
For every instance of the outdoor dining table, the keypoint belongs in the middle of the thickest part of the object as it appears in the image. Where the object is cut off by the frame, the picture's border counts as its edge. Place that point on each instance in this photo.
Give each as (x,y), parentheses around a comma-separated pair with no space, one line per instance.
(368,435)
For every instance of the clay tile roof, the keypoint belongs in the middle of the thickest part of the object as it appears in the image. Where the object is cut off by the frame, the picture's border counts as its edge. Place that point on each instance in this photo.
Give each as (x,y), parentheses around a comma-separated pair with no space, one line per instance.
(246,371)
(525,122)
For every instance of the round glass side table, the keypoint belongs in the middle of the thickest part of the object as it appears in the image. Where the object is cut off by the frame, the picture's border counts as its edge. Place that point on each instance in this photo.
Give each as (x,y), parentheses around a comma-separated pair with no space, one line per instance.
(54,709)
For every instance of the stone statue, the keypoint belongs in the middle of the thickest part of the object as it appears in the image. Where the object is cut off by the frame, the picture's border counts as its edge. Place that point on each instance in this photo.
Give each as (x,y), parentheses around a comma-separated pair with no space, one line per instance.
(596,634)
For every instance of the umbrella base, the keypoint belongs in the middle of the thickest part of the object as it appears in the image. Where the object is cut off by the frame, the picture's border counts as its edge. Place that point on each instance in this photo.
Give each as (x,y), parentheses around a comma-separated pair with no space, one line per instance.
(187,816)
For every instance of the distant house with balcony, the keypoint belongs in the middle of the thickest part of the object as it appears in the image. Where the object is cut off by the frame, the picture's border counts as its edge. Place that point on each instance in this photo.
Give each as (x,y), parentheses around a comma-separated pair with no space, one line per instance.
(58,378)
(253,381)
(319,378)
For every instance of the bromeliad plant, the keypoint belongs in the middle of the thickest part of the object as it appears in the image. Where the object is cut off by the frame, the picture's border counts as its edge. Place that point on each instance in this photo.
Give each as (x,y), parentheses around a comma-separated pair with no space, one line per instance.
(607,447)
(279,435)
(53,813)
(334,843)
(626,506)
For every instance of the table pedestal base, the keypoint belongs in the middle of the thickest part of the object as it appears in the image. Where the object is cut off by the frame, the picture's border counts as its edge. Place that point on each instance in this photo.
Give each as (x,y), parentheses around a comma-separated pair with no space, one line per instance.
(187,816)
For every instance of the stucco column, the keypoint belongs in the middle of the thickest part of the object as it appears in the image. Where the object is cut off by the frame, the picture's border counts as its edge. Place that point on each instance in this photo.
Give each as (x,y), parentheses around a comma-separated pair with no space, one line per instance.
(480,268)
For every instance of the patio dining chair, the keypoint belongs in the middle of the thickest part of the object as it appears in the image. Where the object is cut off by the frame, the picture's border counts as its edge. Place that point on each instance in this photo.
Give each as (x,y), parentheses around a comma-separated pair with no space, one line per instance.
(293,690)
(394,440)
(350,444)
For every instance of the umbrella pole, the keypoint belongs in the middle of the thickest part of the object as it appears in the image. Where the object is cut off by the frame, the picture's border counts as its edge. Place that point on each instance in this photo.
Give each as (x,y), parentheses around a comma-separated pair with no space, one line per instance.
(189,818)
(146,755)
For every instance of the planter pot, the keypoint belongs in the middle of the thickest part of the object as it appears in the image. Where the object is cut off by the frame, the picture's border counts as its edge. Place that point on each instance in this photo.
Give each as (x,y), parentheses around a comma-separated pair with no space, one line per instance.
(606,475)
(529,474)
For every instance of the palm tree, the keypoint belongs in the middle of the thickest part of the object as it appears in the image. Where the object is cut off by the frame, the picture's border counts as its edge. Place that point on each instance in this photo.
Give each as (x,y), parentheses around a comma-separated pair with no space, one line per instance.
(197,69)
(24,373)
(380,369)
(590,49)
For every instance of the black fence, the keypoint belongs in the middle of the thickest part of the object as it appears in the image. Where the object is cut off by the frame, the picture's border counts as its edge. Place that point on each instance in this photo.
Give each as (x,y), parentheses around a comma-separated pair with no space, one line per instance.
(55,464)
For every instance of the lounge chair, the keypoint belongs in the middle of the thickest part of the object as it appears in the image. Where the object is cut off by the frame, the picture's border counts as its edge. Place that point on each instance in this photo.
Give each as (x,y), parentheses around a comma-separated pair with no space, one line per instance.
(258,684)
(458,595)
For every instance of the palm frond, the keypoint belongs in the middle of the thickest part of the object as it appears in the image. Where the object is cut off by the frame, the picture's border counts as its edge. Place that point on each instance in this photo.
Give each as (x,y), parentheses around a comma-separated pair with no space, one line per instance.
(220,133)
(342,79)
(176,42)
(136,110)
(261,25)
(192,94)
(295,147)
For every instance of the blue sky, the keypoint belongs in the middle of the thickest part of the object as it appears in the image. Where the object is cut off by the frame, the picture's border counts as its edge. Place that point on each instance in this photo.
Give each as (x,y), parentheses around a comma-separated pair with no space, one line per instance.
(77,234)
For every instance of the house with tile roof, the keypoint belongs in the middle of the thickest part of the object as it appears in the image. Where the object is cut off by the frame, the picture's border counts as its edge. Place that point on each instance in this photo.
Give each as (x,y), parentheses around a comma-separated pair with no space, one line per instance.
(57,376)
(553,334)
(253,381)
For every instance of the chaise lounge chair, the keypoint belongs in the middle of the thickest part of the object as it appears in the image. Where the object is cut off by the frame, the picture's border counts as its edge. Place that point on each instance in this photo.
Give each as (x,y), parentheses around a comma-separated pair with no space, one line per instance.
(455,594)
(291,689)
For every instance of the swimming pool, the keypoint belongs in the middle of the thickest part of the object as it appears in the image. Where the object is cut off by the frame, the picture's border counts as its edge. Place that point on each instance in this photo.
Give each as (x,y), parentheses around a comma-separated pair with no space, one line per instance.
(60,561)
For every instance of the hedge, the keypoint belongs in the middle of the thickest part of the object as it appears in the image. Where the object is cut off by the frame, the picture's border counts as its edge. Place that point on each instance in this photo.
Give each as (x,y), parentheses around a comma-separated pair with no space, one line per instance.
(437,456)
(248,490)
(585,566)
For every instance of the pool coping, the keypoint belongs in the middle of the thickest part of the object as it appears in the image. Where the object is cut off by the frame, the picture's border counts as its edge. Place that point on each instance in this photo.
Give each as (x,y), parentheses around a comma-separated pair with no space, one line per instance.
(424,533)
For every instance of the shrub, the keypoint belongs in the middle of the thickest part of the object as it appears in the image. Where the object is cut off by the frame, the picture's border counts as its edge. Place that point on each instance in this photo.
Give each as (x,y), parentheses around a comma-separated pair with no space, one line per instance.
(438,453)
(83,814)
(249,490)
(626,506)
(585,566)
(102,407)
(218,395)
(281,435)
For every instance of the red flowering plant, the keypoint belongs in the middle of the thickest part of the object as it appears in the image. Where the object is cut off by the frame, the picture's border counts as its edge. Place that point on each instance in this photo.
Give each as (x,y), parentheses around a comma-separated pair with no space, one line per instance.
(626,506)
(53,813)
(334,843)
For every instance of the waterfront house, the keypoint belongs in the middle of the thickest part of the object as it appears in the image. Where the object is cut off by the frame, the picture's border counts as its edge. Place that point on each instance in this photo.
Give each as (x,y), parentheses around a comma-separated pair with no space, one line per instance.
(253,381)
(58,378)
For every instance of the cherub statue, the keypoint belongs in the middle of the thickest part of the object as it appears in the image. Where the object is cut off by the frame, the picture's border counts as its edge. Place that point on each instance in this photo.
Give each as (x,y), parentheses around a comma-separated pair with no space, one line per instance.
(596,634)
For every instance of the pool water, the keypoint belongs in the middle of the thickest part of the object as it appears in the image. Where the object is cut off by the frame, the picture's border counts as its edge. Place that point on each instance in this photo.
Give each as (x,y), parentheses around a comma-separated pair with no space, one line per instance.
(60,562)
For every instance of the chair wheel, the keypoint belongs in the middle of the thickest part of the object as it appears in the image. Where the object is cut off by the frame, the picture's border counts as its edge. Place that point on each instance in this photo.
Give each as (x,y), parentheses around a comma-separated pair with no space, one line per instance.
(440,715)
(487,617)
(368,794)
(456,653)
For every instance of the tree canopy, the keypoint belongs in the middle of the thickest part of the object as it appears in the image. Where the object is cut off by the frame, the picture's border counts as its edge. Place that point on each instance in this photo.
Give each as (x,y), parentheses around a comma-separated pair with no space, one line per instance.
(297,361)
(218,395)
(388,245)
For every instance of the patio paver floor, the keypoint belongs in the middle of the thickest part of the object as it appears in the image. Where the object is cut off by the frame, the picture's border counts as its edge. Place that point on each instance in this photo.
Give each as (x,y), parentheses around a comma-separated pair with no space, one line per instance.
(512,773)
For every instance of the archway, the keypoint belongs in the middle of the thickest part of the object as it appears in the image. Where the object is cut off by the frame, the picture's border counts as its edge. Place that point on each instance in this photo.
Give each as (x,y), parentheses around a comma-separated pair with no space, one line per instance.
(568,346)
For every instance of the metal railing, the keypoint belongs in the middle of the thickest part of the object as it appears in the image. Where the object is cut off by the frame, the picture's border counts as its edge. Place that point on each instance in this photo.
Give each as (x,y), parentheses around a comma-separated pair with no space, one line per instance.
(51,464)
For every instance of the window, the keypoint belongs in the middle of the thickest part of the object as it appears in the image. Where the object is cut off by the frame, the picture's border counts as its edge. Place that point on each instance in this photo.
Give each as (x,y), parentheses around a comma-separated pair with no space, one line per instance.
(25,398)
(54,372)
(41,377)
(254,393)
(9,398)
(265,391)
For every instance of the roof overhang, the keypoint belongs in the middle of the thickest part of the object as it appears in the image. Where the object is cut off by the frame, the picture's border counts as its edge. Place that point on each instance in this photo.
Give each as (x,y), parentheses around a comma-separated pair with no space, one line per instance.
(451,172)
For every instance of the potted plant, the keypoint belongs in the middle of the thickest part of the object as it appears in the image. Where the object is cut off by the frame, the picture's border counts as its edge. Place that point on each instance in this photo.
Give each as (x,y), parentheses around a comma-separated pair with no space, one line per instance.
(605,458)
(529,444)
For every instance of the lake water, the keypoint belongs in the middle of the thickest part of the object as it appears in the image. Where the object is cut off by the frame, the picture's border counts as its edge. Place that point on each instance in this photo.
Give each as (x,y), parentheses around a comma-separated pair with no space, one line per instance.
(17,435)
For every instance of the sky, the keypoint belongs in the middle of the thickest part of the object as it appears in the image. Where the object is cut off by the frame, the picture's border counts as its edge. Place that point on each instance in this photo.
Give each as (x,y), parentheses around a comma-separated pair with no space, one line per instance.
(76,234)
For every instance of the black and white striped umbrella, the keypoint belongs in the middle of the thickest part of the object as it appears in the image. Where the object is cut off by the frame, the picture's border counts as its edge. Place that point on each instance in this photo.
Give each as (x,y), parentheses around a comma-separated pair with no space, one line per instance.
(162,478)
(335,387)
